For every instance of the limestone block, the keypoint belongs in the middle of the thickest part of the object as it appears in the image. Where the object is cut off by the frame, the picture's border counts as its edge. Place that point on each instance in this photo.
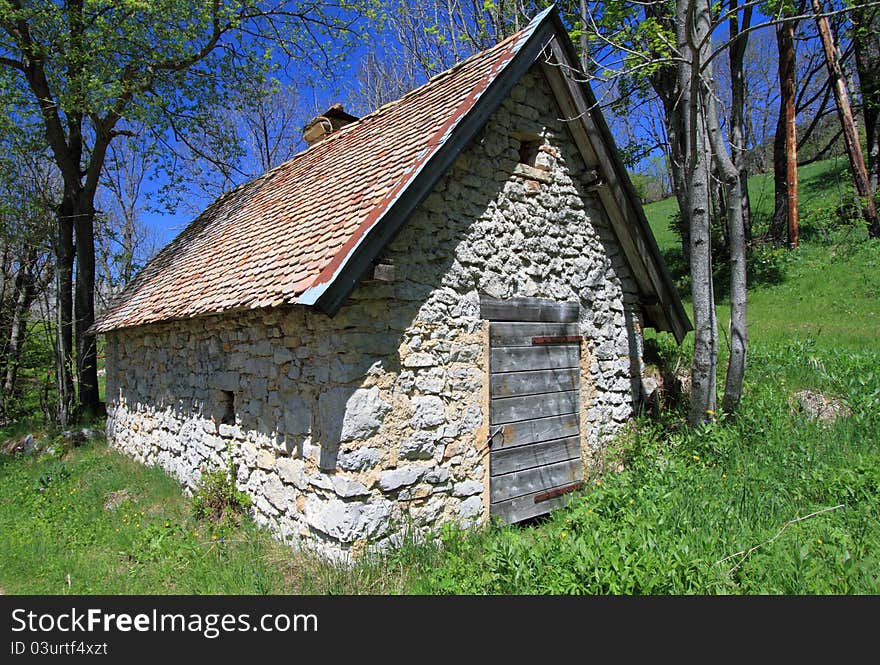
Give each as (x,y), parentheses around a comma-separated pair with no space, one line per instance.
(265,459)
(467,488)
(292,471)
(297,417)
(348,487)
(394,479)
(321,480)
(227,380)
(471,507)
(282,355)
(432,382)
(428,411)
(348,521)
(437,476)
(420,445)
(230,432)
(471,419)
(348,371)
(419,360)
(348,415)
(275,491)
(360,459)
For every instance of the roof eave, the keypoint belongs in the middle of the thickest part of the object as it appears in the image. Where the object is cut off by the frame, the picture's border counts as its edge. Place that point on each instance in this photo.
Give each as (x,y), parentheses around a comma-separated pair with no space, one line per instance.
(329,291)
(669,313)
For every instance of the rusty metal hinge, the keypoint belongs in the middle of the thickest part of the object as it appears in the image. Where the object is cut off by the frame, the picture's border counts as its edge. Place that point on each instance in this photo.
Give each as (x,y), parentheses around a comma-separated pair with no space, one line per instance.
(559,491)
(559,339)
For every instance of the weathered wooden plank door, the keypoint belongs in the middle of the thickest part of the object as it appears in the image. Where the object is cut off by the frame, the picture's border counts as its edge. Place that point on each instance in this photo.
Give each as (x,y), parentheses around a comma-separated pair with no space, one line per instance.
(534,405)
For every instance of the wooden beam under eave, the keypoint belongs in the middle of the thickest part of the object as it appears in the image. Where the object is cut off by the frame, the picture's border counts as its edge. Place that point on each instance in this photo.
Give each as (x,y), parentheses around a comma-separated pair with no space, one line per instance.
(590,141)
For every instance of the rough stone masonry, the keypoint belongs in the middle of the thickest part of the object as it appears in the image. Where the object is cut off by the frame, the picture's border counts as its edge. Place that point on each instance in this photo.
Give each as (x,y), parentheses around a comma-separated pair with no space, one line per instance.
(346,431)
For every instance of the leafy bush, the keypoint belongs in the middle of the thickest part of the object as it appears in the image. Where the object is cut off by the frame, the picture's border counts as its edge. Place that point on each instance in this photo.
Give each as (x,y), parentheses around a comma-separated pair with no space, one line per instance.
(765,264)
(218,499)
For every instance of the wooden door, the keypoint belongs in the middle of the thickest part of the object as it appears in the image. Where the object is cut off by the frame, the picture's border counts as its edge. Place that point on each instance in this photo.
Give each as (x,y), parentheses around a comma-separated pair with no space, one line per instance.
(534,405)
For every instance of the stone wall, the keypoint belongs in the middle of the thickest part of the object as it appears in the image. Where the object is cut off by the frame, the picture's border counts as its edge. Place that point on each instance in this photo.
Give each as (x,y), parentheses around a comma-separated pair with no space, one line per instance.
(348,430)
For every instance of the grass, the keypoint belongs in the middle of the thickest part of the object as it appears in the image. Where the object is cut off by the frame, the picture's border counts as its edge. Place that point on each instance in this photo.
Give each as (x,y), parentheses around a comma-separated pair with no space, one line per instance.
(769,503)
(828,290)
(58,537)
(674,520)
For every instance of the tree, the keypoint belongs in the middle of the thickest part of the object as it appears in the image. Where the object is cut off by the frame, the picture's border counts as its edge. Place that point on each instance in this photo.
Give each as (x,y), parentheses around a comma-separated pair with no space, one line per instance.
(847,123)
(785,143)
(87,68)
(26,191)
(866,40)
(738,31)
(122,240)
(241,137)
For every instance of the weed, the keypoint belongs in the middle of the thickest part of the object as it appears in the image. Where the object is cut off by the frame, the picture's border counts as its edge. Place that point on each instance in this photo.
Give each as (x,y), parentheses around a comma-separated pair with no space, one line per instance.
(218,500)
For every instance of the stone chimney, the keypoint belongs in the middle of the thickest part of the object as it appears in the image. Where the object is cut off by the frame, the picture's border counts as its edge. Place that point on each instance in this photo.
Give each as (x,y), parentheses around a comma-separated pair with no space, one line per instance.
(327,123)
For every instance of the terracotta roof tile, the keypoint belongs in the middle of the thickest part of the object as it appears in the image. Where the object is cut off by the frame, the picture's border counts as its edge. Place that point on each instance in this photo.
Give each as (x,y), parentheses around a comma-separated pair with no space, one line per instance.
(267,241)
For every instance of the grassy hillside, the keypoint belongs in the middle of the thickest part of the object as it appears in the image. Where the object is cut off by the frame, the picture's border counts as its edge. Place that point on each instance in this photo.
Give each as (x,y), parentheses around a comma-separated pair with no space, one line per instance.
(771,502)
(828,291)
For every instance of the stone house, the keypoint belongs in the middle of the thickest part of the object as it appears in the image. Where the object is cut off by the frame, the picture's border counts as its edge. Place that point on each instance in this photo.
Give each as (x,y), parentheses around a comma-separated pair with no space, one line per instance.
(434,313)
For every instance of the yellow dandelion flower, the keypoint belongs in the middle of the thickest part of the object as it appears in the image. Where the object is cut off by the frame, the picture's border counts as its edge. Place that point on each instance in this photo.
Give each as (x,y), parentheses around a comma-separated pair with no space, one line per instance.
(632,501)
(214,537)
(723,476)
(564,534)
(696,458)
(598,483)
(819,541)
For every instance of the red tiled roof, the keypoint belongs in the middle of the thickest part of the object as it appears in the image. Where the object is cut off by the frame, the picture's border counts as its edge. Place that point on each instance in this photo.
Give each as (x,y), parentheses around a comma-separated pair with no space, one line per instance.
(270,240)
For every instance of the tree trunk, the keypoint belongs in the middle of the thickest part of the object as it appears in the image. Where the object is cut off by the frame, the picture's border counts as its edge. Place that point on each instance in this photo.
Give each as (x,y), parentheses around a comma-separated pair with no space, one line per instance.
(666,82)
(867,49)
(584,40)
(737,110)
(23,301)
(779,222)
(847,123)
(785,161)
(87,355)
(733,180)
(64,252)
(693,41)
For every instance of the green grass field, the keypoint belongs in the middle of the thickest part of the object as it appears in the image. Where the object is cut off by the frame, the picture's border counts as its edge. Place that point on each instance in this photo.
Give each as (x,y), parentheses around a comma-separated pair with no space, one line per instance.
(830,288)
(771,502)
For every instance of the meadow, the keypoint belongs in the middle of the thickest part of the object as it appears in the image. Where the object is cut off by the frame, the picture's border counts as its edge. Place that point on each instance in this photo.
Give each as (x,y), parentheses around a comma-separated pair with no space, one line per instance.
(769,502)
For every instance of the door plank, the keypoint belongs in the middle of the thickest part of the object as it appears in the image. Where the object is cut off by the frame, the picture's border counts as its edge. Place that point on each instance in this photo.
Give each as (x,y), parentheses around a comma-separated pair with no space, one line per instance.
(512,409)
(521,334)
(509,460)
(537,430)
(524,507)
(514,384)
(528,309)
(525,358)
(539,479)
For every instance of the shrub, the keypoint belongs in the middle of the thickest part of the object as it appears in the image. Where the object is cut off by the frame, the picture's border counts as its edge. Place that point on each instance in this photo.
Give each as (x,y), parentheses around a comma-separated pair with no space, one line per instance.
(218,499)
